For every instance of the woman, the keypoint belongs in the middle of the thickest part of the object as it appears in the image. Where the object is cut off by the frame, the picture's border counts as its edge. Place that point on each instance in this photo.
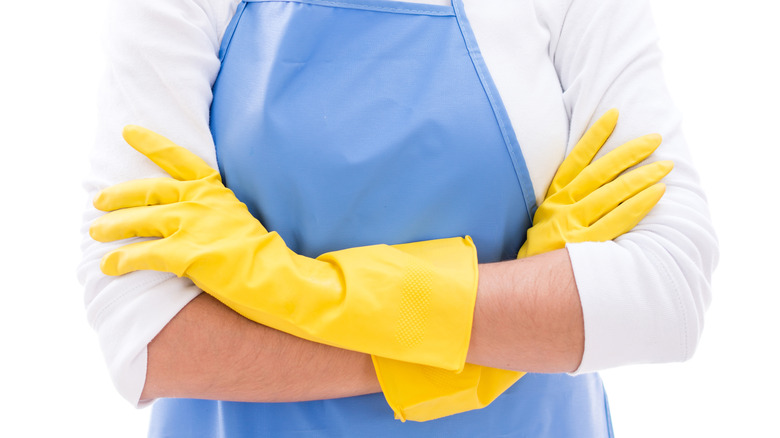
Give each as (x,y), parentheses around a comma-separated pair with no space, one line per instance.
(556,66)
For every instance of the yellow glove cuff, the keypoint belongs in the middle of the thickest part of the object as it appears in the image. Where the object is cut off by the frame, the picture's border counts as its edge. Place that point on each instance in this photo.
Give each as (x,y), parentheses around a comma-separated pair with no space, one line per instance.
(408,388)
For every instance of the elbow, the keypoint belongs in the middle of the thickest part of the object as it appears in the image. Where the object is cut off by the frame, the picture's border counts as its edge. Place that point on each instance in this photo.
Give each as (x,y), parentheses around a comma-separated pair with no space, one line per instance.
(124,351)
(681,295)
(127,313)
(643,301)
(685,324)
(689,296)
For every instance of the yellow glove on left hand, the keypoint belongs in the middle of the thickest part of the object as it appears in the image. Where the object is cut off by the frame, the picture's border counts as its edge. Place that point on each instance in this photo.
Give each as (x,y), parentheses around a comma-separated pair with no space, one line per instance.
(588,202)
(412,302)
(584,203)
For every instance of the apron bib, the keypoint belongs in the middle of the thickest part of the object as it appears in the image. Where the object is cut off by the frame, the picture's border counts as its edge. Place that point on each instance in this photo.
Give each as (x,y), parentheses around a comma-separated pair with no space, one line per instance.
(356,122)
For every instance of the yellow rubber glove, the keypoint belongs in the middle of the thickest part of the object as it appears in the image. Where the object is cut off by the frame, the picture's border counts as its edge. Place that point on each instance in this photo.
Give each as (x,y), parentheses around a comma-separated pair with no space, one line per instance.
(413,302)
(584,203)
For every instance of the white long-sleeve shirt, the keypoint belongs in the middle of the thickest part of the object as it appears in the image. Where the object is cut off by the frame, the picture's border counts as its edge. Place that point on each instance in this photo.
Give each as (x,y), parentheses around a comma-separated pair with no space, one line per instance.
(558,65)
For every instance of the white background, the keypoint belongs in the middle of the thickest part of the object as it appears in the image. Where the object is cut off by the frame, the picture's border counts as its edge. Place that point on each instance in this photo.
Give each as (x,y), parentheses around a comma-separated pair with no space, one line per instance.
(722,68)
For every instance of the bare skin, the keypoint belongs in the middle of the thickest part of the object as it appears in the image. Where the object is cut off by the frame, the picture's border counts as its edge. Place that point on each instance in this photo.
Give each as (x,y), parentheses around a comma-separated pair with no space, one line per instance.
(527,317)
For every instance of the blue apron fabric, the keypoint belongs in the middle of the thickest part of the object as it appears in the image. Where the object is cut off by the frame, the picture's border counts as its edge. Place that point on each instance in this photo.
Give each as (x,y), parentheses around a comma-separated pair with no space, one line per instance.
(355,122)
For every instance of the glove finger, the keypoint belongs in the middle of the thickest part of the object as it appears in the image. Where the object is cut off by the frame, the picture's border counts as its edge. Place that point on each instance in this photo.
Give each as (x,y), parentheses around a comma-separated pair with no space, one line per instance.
(179,162)
(625,216)
(151,221)
(611,195)
(608,167)
(140,192)
(584,151)
(152,255)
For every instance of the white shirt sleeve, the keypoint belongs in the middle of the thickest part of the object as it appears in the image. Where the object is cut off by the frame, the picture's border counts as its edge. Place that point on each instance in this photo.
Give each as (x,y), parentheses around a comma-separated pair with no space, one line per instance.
(643,295)
(162,58)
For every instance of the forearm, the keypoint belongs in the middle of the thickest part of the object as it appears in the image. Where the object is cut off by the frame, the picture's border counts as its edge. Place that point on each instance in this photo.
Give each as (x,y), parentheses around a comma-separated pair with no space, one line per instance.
(528,316)
(210,352)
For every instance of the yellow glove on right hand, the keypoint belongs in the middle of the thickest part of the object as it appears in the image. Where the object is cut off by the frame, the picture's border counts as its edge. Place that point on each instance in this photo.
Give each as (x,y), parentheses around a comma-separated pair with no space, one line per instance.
(584,203)
(413,302)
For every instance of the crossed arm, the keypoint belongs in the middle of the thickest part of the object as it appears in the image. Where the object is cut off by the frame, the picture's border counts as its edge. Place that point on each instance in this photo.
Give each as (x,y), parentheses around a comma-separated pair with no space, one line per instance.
(527,317)
(535,300)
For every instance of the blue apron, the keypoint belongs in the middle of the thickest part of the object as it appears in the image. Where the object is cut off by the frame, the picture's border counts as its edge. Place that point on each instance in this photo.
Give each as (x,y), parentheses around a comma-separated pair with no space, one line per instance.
(353,122)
